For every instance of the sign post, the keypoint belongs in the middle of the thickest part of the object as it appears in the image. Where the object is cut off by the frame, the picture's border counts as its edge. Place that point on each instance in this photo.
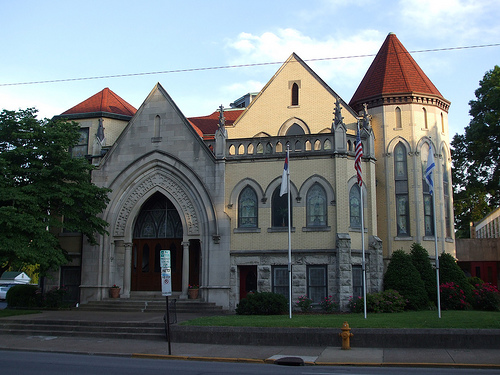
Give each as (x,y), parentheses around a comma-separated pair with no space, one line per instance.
(166,289)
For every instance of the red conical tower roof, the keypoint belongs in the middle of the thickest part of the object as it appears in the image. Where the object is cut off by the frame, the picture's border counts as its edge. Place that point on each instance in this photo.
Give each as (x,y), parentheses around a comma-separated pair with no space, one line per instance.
(104,101)
(393,71)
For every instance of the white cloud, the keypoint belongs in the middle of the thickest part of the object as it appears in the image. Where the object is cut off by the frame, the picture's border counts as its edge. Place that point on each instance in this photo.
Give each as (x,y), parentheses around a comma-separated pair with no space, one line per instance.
(445,19)
(342,73)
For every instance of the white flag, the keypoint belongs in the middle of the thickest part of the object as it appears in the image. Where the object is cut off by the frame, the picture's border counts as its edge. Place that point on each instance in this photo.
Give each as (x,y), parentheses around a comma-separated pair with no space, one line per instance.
(284,178)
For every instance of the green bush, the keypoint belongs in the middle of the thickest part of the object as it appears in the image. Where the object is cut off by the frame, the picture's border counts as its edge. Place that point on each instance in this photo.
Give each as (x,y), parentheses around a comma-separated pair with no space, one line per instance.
(304,303)
(264,303)
(388,301)
(420,259)
(54,298)
(450,272)
(453,297)
(485,296)
(329,305)
(24,296)
(401,275)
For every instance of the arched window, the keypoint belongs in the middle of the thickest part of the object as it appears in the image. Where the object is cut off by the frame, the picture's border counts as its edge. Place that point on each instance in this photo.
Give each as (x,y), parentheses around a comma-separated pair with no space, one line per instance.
(355,207)
(401,184)
(399,120)
(247,208)
(157,127)
(428,208)
(446,195)
(279,210)
(295,129)
(442,123)
(316,206)
(426,124)
(158,219)
(295,94)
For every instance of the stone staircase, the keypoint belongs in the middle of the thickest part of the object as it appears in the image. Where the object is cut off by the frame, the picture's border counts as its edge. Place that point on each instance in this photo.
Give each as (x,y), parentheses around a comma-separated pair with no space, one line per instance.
(101,319)
(115,330)
(152,302)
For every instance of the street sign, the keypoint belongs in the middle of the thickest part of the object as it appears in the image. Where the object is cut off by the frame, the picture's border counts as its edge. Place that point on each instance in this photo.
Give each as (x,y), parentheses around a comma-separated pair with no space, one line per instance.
(166,273)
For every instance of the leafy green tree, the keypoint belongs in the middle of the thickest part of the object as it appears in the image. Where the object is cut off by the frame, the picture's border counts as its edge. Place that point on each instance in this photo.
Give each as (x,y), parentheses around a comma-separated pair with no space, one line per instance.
(41,184)
(401,275)
(449,271)
(420,259)
(476,156)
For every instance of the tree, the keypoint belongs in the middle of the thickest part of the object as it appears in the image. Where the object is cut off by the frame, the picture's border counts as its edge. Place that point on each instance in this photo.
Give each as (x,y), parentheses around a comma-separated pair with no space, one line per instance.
(42,190)
(420,259)
(476,156)
(401,275)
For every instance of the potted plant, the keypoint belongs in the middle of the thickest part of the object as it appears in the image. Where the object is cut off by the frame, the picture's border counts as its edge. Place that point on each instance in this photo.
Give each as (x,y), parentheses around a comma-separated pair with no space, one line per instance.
(114,291)
(193,291)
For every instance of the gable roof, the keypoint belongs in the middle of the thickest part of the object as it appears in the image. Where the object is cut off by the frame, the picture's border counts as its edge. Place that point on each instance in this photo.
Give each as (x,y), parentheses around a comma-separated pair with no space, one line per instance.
(208,125)
(105,101)
(393,71)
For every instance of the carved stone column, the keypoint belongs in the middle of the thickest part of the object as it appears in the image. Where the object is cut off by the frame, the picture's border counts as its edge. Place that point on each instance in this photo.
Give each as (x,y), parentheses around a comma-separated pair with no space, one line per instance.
(185,269)
(127,271)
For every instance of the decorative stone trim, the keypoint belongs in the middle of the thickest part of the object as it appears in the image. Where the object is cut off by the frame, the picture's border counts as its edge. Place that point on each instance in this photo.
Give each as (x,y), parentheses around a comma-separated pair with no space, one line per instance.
(144,187)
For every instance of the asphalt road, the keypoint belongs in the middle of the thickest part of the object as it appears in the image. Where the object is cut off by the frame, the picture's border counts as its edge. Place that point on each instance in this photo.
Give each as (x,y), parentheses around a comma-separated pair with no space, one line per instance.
(37,363)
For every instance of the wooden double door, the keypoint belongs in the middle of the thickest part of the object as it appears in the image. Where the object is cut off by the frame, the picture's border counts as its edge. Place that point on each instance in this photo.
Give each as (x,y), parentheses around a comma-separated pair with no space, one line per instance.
(146,263)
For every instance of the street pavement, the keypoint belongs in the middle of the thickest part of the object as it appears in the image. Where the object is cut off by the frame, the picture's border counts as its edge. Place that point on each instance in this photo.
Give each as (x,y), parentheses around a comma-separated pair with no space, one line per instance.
(158,348)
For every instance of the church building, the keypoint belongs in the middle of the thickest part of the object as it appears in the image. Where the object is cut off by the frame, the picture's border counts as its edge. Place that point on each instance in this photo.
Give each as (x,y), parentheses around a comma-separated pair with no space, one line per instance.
(208,188)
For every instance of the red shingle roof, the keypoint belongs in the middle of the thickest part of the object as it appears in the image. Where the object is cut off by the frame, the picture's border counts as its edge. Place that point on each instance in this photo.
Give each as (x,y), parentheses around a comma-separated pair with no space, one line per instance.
(393,71)
(104,101)
(209,124)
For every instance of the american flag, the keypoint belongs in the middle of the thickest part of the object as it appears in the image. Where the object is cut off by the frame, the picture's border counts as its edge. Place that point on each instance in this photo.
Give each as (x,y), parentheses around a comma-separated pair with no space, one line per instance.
(357,161)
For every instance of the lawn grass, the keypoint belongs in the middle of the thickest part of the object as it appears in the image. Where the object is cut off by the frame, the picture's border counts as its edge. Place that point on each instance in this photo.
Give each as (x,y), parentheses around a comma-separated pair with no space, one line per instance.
(409,319)
(8,312)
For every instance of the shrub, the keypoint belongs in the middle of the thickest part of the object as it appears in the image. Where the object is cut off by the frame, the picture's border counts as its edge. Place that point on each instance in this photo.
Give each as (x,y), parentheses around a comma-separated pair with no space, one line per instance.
(420,259)
(356,305)
(24,296)
(329,305)
(474,281)
(389,301)
(264,303)
(485,296)
(304,303)
(449,271)
(401,275)
(453,297)
(54,298)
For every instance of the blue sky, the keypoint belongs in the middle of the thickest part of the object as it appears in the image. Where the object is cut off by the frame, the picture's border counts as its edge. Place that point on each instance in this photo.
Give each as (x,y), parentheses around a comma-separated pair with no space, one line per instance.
(54,40)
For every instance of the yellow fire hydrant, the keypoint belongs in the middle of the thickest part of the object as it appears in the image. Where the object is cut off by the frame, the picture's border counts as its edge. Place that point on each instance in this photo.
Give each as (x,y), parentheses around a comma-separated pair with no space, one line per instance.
(346,336)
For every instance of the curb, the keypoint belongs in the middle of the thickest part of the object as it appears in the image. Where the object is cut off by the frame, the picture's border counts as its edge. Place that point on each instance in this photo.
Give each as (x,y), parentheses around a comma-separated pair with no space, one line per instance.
(346,364)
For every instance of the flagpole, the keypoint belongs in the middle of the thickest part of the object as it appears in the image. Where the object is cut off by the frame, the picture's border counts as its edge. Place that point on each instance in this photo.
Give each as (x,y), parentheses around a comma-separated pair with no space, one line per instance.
(428,178)
(437,258)
(363,249)
(289,236)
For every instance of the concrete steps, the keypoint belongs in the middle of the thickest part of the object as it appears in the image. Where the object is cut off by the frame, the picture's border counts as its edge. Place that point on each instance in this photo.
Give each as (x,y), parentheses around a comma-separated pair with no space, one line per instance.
(151,305)
(125,330)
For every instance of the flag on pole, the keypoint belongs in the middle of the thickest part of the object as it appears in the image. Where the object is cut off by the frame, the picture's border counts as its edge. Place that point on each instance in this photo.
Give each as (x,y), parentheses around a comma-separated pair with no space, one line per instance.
(428,171)
(357,160)
(284,178)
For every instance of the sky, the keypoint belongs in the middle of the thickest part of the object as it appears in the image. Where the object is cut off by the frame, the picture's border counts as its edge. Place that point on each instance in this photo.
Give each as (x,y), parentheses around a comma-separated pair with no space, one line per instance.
(73,41)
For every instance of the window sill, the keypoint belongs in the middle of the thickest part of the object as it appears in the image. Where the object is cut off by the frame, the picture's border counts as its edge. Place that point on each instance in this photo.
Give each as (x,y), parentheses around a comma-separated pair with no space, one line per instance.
(246,230)
(316,229)
(358,230)
(407,238)
(293,106)
(279,229)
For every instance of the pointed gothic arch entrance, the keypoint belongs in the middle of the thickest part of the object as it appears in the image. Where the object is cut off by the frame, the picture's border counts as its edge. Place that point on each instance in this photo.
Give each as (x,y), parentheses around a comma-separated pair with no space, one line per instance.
(158,227)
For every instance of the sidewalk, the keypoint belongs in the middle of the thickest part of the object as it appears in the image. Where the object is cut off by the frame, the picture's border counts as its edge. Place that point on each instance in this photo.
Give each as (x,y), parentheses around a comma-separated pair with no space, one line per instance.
(264,354)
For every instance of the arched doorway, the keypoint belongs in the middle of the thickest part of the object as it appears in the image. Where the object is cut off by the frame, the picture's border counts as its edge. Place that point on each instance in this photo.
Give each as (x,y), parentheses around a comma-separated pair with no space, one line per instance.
(158,227)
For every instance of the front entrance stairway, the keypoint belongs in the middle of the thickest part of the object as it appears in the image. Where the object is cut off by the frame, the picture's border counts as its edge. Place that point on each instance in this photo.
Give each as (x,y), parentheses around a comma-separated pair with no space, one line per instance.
(152,302)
